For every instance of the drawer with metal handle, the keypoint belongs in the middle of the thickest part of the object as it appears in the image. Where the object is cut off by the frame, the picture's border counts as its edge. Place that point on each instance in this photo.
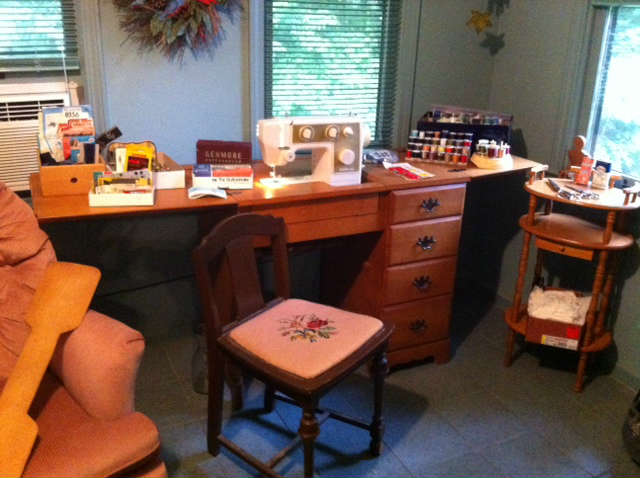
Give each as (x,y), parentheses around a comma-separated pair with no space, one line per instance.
(419,322)
(426,203)
(419,280)
(420,240)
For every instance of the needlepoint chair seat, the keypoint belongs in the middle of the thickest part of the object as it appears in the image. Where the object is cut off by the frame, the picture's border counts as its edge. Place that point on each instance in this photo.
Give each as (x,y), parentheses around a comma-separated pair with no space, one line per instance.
(304,338)
(296,347)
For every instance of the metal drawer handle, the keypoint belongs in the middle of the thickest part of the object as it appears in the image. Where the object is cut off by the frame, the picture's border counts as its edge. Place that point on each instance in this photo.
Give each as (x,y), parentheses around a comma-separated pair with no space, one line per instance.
(426,242)
(422,283)
(418,326)
(428,205)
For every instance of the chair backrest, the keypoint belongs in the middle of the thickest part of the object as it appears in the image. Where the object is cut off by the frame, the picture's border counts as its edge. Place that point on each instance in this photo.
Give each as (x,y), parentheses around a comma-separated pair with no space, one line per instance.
(226,269)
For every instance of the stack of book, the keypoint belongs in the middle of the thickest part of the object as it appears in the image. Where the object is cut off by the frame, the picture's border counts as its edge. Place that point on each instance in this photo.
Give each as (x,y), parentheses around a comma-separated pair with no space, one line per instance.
(223,164)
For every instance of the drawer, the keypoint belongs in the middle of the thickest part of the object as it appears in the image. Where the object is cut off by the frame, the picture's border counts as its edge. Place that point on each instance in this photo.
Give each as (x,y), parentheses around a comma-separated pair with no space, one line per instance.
(586,254)
(325,218)
(419,280)
(421,240)
(419,322)
(427,203)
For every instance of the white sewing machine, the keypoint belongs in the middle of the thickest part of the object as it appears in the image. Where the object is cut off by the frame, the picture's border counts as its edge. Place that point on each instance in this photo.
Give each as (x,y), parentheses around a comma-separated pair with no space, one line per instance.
(335,143)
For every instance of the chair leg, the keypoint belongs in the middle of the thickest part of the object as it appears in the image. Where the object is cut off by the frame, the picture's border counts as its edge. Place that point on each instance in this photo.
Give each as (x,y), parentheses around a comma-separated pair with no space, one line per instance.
(215,400)
(234,382)
(308,431)
(380,368)
(269,398)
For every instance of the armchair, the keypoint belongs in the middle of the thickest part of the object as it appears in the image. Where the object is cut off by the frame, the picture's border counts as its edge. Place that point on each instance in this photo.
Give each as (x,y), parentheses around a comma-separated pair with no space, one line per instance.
(84,407)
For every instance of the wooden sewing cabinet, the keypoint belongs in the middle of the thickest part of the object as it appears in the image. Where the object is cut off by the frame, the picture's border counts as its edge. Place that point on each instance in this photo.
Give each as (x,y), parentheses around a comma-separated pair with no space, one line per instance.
(575,237)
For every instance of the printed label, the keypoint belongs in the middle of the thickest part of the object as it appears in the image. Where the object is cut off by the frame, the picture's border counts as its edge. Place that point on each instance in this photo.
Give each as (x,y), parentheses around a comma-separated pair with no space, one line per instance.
(561,342)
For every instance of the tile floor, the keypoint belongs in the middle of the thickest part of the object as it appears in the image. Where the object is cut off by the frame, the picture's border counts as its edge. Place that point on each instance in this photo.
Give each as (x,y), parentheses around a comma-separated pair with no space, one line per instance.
(469,417)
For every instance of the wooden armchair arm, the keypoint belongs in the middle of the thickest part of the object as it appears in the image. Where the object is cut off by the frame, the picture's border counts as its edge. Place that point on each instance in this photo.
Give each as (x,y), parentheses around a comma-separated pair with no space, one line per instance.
(59,305)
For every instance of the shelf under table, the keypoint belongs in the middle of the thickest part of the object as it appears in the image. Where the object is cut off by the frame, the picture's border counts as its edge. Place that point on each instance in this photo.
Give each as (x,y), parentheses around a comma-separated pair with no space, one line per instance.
(574,231)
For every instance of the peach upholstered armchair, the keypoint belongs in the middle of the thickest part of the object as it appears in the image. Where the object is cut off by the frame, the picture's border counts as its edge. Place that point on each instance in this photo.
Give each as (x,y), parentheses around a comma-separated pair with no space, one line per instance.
(84,407)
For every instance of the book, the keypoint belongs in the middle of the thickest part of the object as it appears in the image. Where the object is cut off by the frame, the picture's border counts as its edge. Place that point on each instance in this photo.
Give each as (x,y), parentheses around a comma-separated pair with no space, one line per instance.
(223,153)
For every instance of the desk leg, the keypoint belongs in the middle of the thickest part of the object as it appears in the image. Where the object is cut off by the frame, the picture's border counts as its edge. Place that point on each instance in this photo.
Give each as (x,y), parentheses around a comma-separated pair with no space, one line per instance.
(515,310)
(589,333)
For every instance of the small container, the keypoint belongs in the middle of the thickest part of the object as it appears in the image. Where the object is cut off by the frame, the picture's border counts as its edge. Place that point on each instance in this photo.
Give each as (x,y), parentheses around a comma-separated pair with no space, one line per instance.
(493,151)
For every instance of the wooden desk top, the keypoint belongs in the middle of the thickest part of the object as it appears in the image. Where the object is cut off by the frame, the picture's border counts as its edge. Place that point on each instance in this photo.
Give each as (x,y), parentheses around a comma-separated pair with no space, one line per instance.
(76,207)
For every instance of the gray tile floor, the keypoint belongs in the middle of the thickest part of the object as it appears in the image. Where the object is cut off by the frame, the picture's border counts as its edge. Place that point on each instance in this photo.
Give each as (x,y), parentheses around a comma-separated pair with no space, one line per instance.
(469,417)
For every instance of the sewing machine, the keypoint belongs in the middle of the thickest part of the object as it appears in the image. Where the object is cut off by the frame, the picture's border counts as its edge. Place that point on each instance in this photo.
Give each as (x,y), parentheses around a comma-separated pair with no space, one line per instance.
(335,144)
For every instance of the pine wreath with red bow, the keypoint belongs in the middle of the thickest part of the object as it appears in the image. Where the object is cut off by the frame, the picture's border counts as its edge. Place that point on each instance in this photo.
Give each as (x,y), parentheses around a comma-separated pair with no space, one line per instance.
(173,26)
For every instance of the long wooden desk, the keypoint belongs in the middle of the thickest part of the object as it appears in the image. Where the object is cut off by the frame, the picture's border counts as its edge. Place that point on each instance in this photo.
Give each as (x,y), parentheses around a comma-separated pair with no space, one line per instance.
(402,265)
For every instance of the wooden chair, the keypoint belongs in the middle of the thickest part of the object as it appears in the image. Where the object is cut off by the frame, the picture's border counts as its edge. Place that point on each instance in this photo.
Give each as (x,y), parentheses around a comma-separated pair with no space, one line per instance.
(296,347)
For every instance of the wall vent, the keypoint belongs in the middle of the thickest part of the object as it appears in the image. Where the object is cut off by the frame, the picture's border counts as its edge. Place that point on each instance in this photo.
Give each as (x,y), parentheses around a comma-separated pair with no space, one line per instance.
(19,107)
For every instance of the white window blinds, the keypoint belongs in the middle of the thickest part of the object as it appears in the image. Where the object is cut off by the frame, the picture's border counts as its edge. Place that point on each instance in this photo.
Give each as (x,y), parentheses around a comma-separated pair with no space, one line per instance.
(37,35)
(333,57)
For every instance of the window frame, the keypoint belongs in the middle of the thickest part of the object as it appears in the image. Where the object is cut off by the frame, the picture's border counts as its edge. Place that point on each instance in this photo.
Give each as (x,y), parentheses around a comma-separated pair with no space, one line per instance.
(409,31)
(596,28)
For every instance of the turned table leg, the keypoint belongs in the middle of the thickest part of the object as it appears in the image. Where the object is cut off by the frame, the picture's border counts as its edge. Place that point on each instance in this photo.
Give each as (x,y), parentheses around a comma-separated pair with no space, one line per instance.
(589,333)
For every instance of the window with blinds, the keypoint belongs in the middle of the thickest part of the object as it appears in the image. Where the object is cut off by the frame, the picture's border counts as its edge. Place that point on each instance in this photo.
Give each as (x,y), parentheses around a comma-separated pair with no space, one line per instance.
(333,57)
(614,129)
(38,35)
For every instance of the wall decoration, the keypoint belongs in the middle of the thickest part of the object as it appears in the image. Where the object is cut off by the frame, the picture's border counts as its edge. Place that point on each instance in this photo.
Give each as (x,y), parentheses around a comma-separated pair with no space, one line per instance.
(173,26)
(480,21)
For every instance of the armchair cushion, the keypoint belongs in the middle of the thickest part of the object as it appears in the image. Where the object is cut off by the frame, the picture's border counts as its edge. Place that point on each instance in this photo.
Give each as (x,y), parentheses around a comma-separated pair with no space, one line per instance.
(98,363)
(85,446)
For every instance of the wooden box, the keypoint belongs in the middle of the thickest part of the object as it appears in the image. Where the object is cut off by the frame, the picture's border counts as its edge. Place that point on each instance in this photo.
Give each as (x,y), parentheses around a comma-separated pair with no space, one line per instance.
(68,179)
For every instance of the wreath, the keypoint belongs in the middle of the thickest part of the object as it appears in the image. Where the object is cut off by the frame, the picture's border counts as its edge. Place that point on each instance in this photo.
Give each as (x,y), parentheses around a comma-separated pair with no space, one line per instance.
(172,26)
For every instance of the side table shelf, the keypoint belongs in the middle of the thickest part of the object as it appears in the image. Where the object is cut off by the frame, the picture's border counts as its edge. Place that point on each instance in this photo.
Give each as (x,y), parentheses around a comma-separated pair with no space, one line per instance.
(571,236)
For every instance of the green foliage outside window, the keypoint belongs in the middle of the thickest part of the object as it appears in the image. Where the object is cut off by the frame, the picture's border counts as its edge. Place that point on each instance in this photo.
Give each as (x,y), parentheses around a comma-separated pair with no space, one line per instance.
(617,114)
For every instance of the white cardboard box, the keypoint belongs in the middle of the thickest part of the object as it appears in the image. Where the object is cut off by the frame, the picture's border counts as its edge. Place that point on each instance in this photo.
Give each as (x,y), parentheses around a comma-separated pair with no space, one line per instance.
(171,178)
(122,199)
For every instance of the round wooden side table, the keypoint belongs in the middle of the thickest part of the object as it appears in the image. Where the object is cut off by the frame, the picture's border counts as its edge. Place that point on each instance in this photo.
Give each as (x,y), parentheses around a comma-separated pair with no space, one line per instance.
(571,236)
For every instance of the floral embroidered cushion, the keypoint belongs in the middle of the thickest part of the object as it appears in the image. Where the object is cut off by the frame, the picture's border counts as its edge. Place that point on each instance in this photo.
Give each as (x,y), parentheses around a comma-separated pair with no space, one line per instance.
(305,338)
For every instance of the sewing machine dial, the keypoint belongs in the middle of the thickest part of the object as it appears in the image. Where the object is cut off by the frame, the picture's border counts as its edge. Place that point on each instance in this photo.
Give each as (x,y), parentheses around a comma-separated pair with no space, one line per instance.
(306,133)
(346,156)
(331,131)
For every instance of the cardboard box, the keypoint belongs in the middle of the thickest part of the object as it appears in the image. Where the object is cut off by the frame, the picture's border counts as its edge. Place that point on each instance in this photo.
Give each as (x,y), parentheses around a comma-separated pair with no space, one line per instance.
(172,175)
(68,179)
(121,199)
(553,333)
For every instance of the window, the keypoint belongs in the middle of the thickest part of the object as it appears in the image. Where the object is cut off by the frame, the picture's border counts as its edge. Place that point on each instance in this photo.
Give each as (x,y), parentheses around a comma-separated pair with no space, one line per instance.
(37,35)
(614,128)
(332,57)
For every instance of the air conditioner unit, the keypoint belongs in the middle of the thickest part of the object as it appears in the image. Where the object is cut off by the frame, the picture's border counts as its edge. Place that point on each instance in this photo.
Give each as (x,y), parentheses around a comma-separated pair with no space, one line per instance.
(19,107)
